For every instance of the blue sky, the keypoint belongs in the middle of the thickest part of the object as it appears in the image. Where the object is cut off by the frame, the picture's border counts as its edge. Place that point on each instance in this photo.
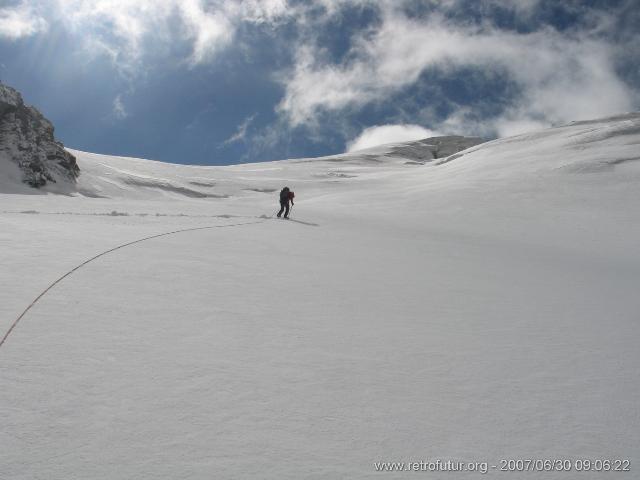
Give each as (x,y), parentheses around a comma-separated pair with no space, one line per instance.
(220,81)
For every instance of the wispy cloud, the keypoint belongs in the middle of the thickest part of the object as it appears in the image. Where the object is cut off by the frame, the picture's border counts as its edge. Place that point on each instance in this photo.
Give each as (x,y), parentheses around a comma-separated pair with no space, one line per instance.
(119,109)
(241,132)
(381,134)
(21,20)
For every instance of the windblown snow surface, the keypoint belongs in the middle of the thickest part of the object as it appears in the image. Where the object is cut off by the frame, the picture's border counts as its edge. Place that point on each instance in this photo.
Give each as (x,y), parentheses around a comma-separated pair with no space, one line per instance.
(478,308)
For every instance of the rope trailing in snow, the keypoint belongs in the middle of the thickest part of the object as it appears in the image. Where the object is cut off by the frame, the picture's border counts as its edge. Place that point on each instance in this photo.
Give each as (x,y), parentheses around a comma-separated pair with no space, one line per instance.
(45,291)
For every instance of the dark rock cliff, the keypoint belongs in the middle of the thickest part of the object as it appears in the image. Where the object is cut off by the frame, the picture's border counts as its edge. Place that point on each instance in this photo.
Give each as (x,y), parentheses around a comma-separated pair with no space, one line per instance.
(27,139)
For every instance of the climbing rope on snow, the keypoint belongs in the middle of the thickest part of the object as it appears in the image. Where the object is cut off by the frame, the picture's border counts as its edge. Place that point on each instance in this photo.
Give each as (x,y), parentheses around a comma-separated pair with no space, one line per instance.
(263,218)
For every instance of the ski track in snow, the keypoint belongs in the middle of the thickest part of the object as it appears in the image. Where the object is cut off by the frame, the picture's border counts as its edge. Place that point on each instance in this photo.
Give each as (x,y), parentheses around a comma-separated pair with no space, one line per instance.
(115,213)
(106,252)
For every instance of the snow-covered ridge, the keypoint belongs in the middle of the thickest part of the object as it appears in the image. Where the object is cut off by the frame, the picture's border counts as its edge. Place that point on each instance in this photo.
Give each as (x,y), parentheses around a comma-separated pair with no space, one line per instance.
(594,146)
(579,135)
(603,145)
(123,177)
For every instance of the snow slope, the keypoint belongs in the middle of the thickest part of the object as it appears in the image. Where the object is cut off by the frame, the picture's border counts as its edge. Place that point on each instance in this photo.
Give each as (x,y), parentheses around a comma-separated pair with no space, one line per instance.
(475,308)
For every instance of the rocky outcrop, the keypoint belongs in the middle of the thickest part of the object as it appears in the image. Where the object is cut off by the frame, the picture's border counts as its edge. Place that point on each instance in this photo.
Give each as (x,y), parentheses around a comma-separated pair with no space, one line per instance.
(26,139)
(423,151)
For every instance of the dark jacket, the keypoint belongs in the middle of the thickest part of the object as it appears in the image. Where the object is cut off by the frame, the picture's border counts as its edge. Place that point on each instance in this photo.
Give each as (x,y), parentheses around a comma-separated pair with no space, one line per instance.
(286,196)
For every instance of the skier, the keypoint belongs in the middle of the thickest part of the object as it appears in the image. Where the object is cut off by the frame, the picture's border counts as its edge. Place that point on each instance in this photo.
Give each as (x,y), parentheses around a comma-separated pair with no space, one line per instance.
(286,196)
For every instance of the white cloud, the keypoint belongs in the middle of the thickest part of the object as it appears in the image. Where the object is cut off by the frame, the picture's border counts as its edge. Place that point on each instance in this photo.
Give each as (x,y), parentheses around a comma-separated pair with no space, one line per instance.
(127,30)
(258,11)
(511,122)
(381,134)
(21,20)
(209,31)
(562,76)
